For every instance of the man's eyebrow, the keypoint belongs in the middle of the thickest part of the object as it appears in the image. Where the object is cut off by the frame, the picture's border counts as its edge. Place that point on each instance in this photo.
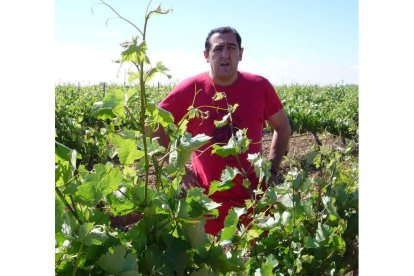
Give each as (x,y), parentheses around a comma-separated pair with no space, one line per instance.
(224,43)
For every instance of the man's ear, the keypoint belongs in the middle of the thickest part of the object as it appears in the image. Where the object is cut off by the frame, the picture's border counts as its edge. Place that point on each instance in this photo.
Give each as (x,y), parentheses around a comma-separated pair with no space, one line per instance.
(241,53)
(206,55)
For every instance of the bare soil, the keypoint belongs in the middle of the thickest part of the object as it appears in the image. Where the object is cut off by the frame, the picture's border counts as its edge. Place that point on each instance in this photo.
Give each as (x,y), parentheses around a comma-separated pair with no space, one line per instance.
(299,146)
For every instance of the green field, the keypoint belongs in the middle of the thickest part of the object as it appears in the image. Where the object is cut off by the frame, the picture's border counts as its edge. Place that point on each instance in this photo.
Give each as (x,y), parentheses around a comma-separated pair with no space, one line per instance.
(109,170)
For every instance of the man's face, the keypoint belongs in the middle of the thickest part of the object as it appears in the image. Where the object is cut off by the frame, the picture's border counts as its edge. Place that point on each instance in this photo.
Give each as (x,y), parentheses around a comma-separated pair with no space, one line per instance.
(224,56)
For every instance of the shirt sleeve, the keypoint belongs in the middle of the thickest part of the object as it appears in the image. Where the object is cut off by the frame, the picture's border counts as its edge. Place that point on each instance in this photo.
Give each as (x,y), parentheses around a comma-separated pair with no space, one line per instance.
(177,102)
(273,103)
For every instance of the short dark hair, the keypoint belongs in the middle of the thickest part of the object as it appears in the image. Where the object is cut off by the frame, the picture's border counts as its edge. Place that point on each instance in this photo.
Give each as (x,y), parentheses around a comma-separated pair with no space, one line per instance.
(222,30)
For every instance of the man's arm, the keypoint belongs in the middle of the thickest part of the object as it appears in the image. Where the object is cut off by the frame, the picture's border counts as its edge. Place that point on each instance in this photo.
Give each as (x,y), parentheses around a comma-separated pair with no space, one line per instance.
(280,140)
(162,136)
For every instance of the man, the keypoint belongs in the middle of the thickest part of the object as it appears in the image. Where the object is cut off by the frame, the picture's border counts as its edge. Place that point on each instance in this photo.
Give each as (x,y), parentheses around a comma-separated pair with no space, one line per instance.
(257,103)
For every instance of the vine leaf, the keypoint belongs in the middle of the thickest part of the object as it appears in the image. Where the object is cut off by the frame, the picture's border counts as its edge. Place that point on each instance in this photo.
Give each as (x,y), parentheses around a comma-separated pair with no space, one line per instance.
(112,106)
(224,121)
(65,163)
(104,181)
(127,149)
(182,150)
(261,166)
(133,52)
(230,227)
(159,68)
(226,182)
(237,144)
(59,212)
(91,234)
(196,205)
(160,115)
(267,267)
(119,262)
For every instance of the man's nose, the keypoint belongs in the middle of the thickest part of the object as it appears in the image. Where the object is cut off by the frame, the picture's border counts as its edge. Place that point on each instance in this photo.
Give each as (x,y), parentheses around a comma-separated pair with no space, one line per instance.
(225,52)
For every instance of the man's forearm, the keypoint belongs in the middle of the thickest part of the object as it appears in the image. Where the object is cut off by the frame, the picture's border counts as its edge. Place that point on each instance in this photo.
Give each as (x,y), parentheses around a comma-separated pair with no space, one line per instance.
(278,147)
(162,136)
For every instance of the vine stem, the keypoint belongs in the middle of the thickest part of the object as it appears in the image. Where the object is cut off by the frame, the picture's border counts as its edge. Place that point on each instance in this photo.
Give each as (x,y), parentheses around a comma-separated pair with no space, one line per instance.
(62,197)
(143,108)
(77,261)
(133,117)
(121,17)
(244,173)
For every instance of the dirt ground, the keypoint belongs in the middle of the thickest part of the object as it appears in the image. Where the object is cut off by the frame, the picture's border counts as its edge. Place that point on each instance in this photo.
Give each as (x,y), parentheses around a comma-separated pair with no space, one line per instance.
(299,146)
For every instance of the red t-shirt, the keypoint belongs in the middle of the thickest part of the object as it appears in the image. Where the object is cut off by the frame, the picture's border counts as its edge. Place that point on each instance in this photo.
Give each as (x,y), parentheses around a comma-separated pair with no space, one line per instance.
(257,100)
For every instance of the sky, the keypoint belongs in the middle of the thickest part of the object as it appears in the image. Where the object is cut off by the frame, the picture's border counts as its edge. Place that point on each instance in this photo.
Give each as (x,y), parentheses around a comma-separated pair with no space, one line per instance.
(304,42)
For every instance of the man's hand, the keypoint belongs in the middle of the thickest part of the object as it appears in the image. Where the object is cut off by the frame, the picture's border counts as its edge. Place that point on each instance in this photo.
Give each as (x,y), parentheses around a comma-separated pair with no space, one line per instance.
(190,179)
(273,180)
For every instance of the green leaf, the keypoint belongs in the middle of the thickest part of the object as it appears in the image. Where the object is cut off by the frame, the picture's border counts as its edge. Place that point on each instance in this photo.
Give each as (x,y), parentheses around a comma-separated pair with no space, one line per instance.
(91,234)
(133,52)
(226,150)
(219,186)
(267,267)
(338,244)
(230,227)
(224,121)
(59,212)
(261,166)
(323,232)
(329,204)
(65,164)
(242,141)
(176,257)
(237,144)
(66,154)
(311,156)
(223,264)
(198,203)
(196,206)
(159,68)
(112,105)
(118,261)
(233,108)
(153,260)
(194,232)
(286,200)
(297,183)
(132,76)
(246,183)
(204,271)
(160,115)
(226,183)
(131,92)
(120,205)
(182,150)
(229,173)
(126,148)
(268,222)
(253,234)
(84,230)
(138,235)
(219,96)
(311,243)
(286,216)
(270,196)
(104,181)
